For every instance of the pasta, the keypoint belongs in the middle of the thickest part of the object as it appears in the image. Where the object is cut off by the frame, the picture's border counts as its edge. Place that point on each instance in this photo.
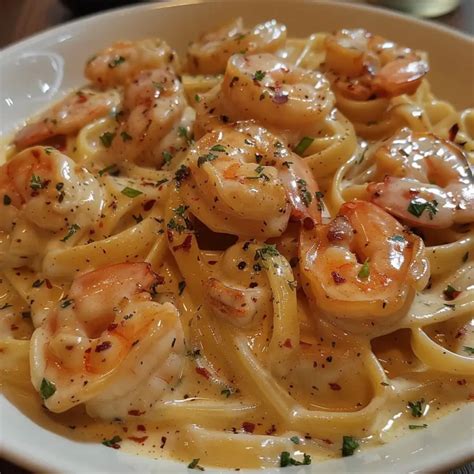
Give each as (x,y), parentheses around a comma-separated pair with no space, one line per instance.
(258,255)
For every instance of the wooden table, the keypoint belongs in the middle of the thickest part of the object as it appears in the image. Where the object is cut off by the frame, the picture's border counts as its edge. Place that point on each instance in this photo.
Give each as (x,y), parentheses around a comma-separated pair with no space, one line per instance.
(22,18)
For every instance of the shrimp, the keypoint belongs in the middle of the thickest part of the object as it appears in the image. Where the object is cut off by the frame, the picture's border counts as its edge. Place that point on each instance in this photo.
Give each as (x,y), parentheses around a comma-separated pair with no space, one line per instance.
(363,264)
(153,103)
(231,168)
(363,66)
(46,191)
(266,88)
(67,116)
(122,61)
(210,53)
(424,180)
(106,339)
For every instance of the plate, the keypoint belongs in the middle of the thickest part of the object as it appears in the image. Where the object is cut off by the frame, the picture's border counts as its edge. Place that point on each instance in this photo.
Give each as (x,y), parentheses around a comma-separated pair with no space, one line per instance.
(45,67)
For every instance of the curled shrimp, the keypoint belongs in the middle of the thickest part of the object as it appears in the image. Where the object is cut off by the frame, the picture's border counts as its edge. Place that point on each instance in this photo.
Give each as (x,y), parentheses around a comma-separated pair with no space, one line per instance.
(364,66)
(209,54)
(266,88)
(232,168)
(153,104)
(44,191)
(105,340)
(363,264)
(119,63)
(424,180)
(67,116)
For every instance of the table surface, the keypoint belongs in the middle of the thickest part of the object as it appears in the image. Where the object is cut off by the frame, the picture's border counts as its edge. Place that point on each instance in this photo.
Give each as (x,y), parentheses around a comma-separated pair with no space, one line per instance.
(23,18)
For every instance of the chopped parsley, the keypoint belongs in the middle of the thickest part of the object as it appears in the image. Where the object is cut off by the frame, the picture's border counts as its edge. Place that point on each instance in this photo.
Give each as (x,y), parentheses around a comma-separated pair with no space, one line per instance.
(258,76)
(295,439)
(167,157)
(180,210)
(197,98)
(364,271)
(125,136)
(450,293)
(113,442)
(260,174)
(47,389)
(137,218)
(305,195)
(194,464)
(268,250)
(36,183)
(319,198)
(418,206)
(181,287)
(416,408)
(111,169)
(72,230)
(469,350)
(303,145)
(227,392)
(218,147)
(106,138)
(37,283)
(286,460)
(130,192)
(7,200)
(183,133)
(65,303)
(116,62)
(293,284)
(205,158)
(416,427)
(181,174)
(349,445)
(397,238)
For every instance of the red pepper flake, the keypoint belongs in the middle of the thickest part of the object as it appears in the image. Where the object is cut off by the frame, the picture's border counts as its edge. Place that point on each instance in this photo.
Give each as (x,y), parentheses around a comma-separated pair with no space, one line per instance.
(308,223)
(48,284)
(87,351)
(462,382)
(327,441)
(135,412)
(271,430)
(204,372)
(186,245)
(338,278)
(471,397)
(453,131)
(248,427)
(287,343)
(103,346)
(137,439)
(212,262)
(148,204)
(163,442)
(13,327)
(69,348)
(81,97)
(335,386)
(125,429)
(112,326)
(141,428)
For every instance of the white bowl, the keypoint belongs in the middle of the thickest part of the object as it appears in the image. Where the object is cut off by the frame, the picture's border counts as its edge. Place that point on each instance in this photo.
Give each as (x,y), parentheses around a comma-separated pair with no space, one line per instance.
(39,70)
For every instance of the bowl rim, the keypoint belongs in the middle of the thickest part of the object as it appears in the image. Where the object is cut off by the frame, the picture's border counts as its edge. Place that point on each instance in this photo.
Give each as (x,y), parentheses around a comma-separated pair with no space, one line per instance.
(458,455)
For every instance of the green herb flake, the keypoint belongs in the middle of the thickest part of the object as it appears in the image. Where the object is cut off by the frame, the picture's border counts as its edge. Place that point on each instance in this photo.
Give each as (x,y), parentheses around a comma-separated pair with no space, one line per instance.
(106,138)
(72,230)
(293,284)
(116,62)
(450,293)
(183,133)
(319,198)
(417,427)
(286,460)
(7,200)
(125,136)
(111,169)
(181,287)
(37,283)
(65,303)
(113,442)
(349,445)
(364,271)
(259,75)
(181,174)
(197,98)
(397,238)
(218,147)
(36,183)
(305,195)
(167,157)
(295,439)
(416,408)
(130,192)
(418,206)
(469,350)
(180,210)
(227,392)
(194,464)
(303,145)
(47,389)
(206,158)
